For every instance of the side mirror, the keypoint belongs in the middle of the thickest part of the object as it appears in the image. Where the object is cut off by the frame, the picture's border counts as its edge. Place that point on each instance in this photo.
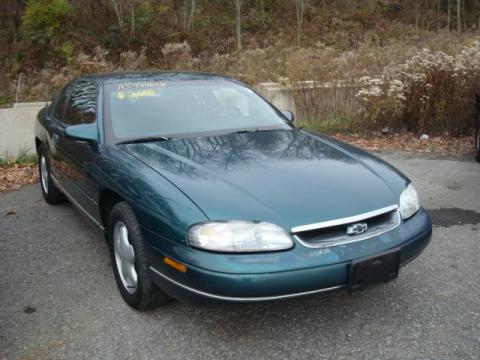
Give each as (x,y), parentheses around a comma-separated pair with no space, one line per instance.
(289,115)
(82,132)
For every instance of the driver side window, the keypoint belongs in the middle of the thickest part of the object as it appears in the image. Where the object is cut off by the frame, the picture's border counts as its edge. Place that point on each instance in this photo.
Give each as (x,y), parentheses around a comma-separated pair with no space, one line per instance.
(82,106)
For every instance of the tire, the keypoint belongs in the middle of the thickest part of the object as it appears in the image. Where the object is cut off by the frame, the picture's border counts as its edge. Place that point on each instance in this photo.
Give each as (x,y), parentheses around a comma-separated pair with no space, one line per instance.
(51,193)
(477,143)
(130,267)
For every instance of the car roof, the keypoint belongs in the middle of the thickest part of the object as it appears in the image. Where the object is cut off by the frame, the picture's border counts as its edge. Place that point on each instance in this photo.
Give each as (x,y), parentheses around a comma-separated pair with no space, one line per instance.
(152,75)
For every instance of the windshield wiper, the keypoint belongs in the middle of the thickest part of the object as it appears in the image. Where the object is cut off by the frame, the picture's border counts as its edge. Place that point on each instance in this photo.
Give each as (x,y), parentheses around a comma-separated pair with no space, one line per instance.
(245,131)
(146,140)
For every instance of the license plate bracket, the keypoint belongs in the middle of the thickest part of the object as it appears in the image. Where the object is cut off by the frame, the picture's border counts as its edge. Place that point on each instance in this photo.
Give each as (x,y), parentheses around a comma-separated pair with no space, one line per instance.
(376,269)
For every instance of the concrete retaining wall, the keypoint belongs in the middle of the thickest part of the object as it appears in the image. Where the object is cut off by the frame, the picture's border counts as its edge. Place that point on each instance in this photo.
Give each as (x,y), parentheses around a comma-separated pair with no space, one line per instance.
(17,128)
(279,95)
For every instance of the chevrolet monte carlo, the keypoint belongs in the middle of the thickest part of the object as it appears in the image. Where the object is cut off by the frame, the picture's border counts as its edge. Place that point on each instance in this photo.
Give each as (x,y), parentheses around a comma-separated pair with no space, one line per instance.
(207,193)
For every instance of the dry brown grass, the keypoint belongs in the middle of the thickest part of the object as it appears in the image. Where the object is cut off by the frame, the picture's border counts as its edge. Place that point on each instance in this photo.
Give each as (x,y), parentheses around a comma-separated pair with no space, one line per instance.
(333,107)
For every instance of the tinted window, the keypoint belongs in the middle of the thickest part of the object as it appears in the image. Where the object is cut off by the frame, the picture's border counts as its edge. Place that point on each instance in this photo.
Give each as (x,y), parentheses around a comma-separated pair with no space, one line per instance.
(168,108)
(82,104)
(59,102)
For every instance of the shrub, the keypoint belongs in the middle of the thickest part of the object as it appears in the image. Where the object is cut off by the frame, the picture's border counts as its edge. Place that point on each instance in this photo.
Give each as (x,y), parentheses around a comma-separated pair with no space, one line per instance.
(430,92)
(45,20)
(178,56)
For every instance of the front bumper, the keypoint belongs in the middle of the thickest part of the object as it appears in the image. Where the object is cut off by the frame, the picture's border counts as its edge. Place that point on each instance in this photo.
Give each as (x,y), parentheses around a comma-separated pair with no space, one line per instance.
(218,278)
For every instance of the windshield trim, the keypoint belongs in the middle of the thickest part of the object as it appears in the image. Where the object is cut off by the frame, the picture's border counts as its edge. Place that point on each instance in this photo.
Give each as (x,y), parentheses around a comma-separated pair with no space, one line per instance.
(111,139)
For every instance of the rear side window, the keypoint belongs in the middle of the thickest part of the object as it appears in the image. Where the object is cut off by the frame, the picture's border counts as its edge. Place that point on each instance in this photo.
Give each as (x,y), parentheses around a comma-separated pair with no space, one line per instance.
(59,103)
(82,107)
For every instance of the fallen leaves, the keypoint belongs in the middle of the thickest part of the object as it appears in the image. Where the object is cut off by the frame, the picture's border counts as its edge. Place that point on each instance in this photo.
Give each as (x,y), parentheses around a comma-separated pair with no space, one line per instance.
(445,145)
(15,176)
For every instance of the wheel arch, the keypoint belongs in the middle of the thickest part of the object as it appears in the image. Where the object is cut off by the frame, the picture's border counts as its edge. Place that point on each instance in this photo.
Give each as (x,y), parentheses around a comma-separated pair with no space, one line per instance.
(107,200)
(38,143)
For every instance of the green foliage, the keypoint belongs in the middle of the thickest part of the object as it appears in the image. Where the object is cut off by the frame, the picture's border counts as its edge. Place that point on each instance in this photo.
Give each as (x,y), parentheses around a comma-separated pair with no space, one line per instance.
(45,20)
(146,13)
(67,51)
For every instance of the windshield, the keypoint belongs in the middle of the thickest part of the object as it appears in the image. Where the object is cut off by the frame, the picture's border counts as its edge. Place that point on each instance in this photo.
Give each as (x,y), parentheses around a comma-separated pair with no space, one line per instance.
(178,108)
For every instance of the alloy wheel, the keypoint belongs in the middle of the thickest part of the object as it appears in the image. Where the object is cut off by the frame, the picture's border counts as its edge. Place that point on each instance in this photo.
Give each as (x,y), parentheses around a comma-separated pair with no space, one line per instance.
(124,257)
(44,173)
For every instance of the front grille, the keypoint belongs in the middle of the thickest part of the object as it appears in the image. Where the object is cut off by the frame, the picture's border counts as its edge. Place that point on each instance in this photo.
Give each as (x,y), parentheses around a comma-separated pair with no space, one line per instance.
(336,235)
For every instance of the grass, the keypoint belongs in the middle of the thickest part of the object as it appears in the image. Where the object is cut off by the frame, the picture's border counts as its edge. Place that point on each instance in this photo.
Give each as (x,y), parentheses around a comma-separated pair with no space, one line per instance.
(337,124)
(24,156)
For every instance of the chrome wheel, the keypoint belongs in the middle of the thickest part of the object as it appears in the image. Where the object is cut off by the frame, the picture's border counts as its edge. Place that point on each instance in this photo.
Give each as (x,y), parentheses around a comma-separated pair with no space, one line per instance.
(44,173)
(124,257)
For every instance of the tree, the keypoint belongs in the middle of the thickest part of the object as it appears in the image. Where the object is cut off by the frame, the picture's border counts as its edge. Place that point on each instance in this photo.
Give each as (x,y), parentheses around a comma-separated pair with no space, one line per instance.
(45,20)
(117,6)
(238,25)
(459,18)
(448,15)
(191,16)
(417,13)
(132,21)
(300,9)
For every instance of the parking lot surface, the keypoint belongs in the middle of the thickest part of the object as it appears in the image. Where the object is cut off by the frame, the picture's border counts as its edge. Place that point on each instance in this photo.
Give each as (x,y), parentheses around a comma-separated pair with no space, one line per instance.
(58,299)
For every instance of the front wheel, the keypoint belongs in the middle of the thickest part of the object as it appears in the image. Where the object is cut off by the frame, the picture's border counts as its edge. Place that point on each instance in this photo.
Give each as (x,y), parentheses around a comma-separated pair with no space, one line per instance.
(130,266)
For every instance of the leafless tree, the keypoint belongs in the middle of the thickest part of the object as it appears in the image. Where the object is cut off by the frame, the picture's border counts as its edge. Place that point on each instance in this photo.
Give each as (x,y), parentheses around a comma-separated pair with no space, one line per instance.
(459,17)
(117,6)
(300,10)
(448,15)
(438,15)
(132,21)
(191,16)
(417,13)
(238,25)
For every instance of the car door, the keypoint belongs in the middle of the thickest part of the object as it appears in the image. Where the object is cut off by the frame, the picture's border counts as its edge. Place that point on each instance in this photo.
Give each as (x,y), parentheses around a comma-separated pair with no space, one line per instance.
(77,159)
(55,129)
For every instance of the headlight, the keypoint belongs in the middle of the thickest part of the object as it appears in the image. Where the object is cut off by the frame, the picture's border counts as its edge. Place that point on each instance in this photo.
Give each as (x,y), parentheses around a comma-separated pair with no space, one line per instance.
(409,203)
(239,236)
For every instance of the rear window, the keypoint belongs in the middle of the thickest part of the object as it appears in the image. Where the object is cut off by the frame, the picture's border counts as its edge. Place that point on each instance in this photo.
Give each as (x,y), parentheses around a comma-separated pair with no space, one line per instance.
(82,105)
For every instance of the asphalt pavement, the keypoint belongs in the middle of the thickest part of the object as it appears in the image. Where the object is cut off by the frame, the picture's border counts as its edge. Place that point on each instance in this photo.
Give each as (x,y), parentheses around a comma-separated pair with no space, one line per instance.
(58,298)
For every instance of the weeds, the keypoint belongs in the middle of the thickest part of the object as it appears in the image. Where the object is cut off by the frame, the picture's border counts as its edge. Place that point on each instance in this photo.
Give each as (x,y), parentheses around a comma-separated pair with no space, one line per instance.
(24,156)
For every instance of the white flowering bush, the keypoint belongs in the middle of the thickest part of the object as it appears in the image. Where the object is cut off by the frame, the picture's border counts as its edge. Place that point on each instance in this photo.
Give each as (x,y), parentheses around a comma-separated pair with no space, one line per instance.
(430,92)
(378,100)
(178,56)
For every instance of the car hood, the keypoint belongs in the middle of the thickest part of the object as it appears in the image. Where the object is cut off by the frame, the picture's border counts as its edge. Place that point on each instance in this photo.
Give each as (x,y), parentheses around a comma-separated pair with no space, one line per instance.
(288,177)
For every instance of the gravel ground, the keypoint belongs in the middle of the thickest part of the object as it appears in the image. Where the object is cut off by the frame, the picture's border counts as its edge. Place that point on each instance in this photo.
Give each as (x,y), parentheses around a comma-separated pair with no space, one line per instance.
(58,299)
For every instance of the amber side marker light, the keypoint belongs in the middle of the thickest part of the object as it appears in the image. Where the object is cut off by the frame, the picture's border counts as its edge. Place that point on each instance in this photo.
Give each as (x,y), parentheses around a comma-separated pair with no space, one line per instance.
(176,265)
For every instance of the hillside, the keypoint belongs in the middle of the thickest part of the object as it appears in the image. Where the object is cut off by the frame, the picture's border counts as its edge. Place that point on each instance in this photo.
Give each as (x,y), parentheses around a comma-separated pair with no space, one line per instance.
(395,52)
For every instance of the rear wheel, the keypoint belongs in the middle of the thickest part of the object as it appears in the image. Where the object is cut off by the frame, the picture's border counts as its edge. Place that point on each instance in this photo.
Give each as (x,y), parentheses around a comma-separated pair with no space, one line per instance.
(51,193)
(130,267)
